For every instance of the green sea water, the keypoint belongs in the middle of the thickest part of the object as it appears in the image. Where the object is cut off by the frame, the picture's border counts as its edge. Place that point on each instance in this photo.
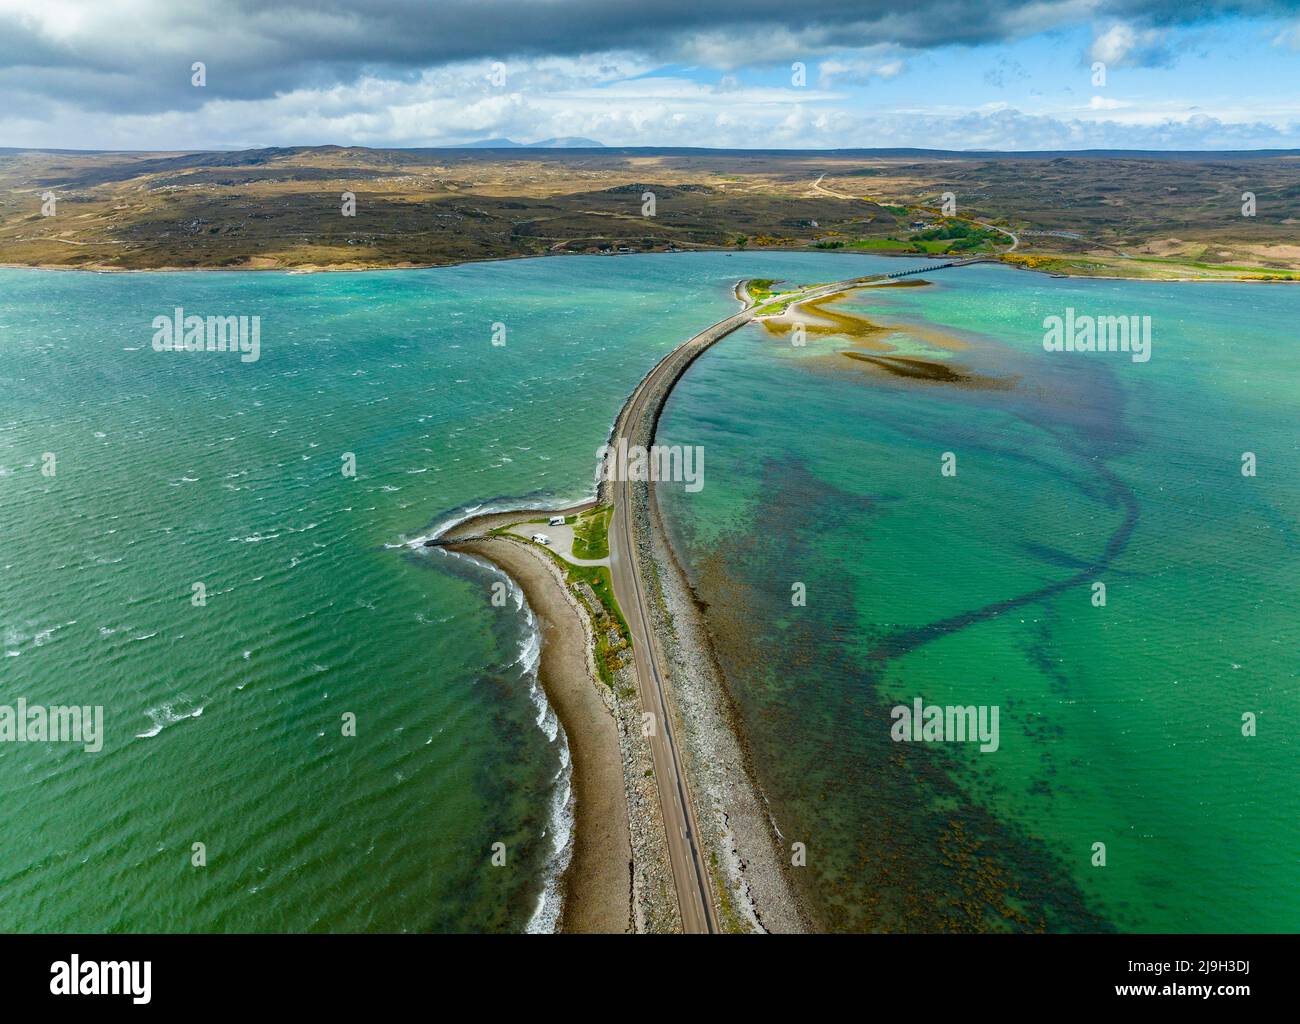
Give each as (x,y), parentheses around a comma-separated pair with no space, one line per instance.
(1120,725)
(224,722)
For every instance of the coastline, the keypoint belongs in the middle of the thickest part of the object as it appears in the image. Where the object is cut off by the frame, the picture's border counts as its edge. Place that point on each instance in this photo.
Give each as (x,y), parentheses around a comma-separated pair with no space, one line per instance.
(619,830)
(345,268)
(617,878)
(747,842)
(738,839)
(737,851)
(596,882)
(751,888)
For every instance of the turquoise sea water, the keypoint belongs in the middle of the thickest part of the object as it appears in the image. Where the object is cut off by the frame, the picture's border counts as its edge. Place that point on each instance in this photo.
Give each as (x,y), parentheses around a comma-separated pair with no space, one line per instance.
(1119,725)
(224,722)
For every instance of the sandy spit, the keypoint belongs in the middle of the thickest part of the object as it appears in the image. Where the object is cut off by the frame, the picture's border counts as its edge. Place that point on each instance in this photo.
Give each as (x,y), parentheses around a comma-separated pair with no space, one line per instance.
(618,878)
(598,882)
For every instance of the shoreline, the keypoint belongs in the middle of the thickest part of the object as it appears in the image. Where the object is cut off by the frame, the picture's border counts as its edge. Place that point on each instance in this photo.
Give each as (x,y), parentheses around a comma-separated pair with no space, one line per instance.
(739,862)
(309,269)
(738,837)
(617,878)
(742,856)
(751,886)
(746,831)
(596,882)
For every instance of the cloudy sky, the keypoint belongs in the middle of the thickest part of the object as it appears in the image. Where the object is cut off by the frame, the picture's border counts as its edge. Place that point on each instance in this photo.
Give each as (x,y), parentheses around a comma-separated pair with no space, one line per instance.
(952,74)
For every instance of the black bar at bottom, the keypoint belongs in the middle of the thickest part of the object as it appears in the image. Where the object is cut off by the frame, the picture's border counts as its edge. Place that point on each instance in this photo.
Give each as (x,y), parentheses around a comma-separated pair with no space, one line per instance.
(491,975)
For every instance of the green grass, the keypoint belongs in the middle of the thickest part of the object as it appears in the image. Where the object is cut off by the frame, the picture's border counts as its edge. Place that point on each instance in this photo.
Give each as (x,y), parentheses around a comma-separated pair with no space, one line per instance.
(955,235)
(591,533)
(893,244)
(1225,267)
(791,295)
(920,244)
(602,585)
(934,246)
(597,577)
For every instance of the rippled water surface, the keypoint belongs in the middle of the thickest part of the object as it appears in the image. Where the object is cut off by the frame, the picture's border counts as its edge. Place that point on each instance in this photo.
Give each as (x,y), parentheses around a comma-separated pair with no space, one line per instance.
(1120,725)
(224,722)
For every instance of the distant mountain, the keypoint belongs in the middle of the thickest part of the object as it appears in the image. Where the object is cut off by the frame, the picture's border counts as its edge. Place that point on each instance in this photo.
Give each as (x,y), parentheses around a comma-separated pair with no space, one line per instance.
(566,142)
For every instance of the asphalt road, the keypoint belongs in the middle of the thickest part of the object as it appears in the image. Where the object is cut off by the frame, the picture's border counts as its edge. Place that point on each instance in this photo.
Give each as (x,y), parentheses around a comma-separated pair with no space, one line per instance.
(636,423)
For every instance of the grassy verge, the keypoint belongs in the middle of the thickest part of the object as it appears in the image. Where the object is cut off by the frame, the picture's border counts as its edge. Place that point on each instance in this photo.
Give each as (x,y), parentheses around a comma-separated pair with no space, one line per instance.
(923,245)
(591,533)
(776,308)
(728,917)
(1254,273)
(613,637)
